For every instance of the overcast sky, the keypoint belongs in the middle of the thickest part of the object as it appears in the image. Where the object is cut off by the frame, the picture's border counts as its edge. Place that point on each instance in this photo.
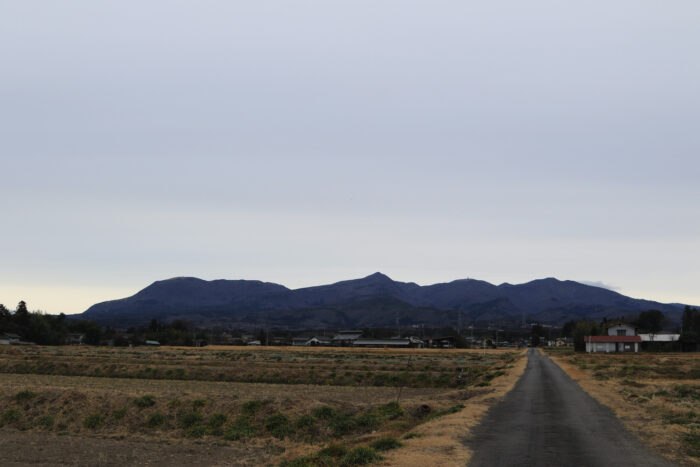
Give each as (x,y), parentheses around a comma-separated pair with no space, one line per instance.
(306,142)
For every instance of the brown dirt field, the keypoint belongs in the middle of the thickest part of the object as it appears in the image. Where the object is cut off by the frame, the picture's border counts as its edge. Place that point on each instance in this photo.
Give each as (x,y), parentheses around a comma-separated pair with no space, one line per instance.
(646,391)
(241,391)
(51,412)
(49,450)
(283,365)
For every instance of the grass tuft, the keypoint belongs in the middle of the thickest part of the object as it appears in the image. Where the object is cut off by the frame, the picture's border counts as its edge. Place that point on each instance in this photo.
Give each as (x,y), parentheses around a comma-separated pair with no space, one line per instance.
(386,444)
(252,406)
(217,420)
(93,421)
(360,456)
(25,395)
(10,416)
(149,400)
(324,412)
(155,420)
(240,429)
(279,425)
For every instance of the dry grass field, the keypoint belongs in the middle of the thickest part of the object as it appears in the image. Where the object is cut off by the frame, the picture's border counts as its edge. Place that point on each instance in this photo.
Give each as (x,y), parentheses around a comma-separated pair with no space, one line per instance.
(240,405)
(657,396)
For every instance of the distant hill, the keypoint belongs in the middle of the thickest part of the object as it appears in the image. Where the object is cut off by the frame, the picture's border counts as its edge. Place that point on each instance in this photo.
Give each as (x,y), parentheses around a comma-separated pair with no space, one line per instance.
(372,301)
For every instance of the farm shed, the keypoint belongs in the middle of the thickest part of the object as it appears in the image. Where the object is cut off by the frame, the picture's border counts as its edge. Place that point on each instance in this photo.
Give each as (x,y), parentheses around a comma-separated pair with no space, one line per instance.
(660,337)
(318,340)
(407,342)
(612,343)
(346,337)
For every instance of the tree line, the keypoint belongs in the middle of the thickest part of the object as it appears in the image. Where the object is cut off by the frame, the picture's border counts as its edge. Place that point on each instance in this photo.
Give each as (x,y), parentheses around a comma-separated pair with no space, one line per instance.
(44,329)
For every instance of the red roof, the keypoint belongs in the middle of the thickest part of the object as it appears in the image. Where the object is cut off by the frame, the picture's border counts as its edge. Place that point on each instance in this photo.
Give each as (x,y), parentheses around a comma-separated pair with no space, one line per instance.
(612,339)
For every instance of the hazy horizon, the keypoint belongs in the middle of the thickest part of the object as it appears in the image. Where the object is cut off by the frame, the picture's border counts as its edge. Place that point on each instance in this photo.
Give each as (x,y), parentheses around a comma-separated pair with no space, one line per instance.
(310,142)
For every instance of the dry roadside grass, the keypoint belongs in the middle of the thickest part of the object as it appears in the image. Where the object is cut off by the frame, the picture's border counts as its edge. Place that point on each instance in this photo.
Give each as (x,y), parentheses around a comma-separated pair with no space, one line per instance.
(441,441)
(656,396)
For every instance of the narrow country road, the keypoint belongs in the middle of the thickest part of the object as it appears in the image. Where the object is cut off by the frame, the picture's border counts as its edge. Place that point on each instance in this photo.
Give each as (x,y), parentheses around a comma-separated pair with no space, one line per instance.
(548,420)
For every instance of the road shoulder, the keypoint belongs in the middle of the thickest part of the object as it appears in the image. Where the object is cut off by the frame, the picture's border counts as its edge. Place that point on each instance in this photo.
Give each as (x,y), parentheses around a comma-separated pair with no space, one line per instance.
(639,416)
(442,441)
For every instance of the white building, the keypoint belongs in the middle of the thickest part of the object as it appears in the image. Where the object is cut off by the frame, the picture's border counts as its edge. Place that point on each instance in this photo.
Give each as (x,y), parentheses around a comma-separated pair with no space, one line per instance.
(612,343)
(665,337)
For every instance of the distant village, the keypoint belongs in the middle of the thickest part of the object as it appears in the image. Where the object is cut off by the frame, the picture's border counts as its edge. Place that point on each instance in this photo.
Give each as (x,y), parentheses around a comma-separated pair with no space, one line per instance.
(645,333)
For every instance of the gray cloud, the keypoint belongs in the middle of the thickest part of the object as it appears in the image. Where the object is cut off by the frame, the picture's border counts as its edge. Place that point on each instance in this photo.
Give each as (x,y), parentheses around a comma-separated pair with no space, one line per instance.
(601,285)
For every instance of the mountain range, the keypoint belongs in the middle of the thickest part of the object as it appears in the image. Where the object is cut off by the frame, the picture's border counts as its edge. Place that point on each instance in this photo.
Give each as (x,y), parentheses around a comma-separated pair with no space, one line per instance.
(372,301)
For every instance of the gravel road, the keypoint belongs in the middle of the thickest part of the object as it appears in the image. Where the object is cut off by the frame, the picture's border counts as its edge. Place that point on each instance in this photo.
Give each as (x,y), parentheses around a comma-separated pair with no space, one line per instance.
(548,420)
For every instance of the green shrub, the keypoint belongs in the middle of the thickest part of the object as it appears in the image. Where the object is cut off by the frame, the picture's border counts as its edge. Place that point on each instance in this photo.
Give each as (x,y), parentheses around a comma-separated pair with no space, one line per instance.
(385,444)
(691,442)
(333,450)
(118,414)
(155,420)
(189,419)
(304,421)
(390,411)
(199,403)
(454,409)
(341,425)
(306,461)
(360,456)
(217,420)
(681,418)
(174,404)
(45,421)
(148,400)
(279,425)
(252,406)
(324,412)
(412,435)
(686,391)
(10,416)
(93,421)
(24,395)
(196,431)
(368,422)
(241,428)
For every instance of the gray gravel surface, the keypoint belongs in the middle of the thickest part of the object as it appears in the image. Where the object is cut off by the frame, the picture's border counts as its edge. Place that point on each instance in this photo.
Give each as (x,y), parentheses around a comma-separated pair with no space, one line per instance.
(548,420)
